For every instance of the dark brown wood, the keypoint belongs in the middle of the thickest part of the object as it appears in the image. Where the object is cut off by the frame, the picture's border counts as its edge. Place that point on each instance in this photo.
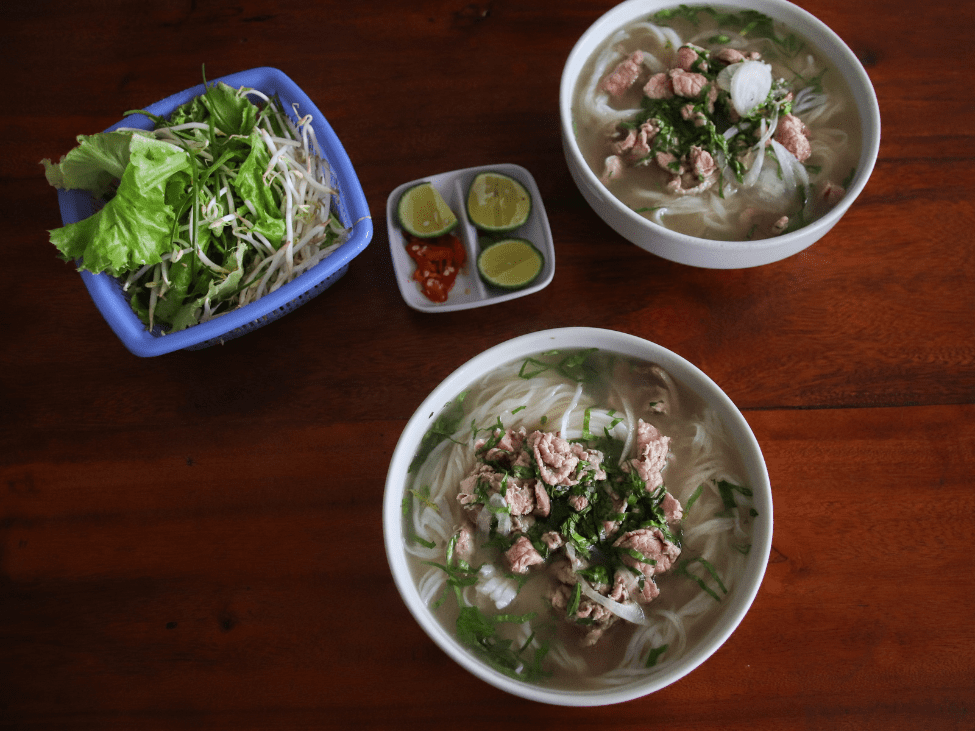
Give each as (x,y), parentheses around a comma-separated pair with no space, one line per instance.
(180,537)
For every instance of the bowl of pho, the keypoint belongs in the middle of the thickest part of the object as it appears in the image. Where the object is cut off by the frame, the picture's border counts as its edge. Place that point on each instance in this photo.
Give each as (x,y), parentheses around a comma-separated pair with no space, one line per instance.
(578,516)
(724,135)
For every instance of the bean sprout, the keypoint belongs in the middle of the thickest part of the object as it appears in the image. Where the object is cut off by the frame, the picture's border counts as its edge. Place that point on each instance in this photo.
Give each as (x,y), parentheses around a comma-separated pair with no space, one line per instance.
(298,178)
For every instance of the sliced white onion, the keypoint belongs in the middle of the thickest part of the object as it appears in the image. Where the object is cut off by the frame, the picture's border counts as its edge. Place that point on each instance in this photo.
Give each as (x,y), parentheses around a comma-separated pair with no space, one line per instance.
(574,561)
(785,166)
(499,589)
(484,521)
(765,132)
(505,594)
(726,74)
(750,86)
(793,172)
(630,612)
(751,177)
(504,519)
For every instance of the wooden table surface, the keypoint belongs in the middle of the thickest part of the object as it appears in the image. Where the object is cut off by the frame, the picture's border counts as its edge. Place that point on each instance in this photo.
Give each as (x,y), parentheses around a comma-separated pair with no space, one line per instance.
(194,540)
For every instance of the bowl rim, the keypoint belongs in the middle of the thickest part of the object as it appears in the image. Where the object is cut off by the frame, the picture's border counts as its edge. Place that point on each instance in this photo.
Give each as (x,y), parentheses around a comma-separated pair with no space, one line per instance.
(116,310)
(868,109)
(613,341)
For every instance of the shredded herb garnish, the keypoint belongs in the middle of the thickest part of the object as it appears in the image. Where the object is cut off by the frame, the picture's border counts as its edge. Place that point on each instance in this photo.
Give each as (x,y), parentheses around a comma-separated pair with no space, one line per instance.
(693,499)
(574,600)
(479,631)
(727,491)
(442,428)
(573,366)
(848,180)
(424,497)
(750,23)
(655,654)
(684,569)
(407,507)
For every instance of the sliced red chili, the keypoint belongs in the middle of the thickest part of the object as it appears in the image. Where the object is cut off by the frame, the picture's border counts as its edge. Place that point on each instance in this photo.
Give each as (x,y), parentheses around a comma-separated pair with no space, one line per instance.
(438,262)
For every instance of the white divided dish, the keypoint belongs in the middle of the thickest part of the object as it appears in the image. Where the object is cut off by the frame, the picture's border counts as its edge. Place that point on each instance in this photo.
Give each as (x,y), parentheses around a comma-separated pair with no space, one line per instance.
(469,289)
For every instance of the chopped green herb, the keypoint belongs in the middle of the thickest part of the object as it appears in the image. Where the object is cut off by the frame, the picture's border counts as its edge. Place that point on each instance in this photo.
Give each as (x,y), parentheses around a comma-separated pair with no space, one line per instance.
(572,366)
(574,600)
(636,555)
(727,491)
(442,428)
(595,574)
(532,367)
(655,654)
(587,415)
(424,497)
(681,11)
(848,180)
(407,507)
(693,499)
(479,632)
(684,569)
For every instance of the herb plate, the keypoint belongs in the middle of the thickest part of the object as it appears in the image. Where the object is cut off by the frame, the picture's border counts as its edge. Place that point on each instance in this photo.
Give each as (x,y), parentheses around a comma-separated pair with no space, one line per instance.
(469,289)
(353,211)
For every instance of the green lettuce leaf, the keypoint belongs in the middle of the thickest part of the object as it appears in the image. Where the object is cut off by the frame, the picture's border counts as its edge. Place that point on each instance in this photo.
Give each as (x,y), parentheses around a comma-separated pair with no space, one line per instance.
(188,313)
(232,113)
(135,227)
(94,165)
(182,276)
(250,186)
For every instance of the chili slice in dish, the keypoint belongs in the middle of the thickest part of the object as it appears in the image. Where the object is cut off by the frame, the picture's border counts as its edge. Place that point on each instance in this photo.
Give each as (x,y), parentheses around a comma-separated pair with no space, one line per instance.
(438,261)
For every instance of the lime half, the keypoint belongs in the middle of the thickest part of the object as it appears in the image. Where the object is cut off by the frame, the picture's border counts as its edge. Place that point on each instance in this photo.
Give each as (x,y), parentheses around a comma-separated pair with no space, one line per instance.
(498,203)
(510,263)
(423,212)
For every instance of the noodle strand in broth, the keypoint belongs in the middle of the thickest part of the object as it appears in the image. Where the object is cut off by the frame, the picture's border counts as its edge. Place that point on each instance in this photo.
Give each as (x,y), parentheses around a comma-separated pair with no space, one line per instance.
(603,399)
(667,137)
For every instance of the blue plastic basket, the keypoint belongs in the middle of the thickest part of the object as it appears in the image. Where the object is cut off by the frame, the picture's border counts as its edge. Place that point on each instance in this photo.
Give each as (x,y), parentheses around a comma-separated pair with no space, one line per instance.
(350,203)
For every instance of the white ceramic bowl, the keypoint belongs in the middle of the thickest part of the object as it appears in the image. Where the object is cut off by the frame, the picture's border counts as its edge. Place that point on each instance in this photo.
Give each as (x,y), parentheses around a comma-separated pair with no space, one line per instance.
(720,624)
(692,250)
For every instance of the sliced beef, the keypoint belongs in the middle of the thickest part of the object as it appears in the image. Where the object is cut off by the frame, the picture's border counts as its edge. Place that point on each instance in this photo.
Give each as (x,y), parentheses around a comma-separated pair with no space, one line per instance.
(624,75)
(653,546)
(651,451)
(522,556)
(792,134)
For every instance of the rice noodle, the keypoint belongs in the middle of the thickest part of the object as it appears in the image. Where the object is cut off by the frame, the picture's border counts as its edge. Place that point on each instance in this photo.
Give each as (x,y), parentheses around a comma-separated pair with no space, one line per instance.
(727,210)
(701,454)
